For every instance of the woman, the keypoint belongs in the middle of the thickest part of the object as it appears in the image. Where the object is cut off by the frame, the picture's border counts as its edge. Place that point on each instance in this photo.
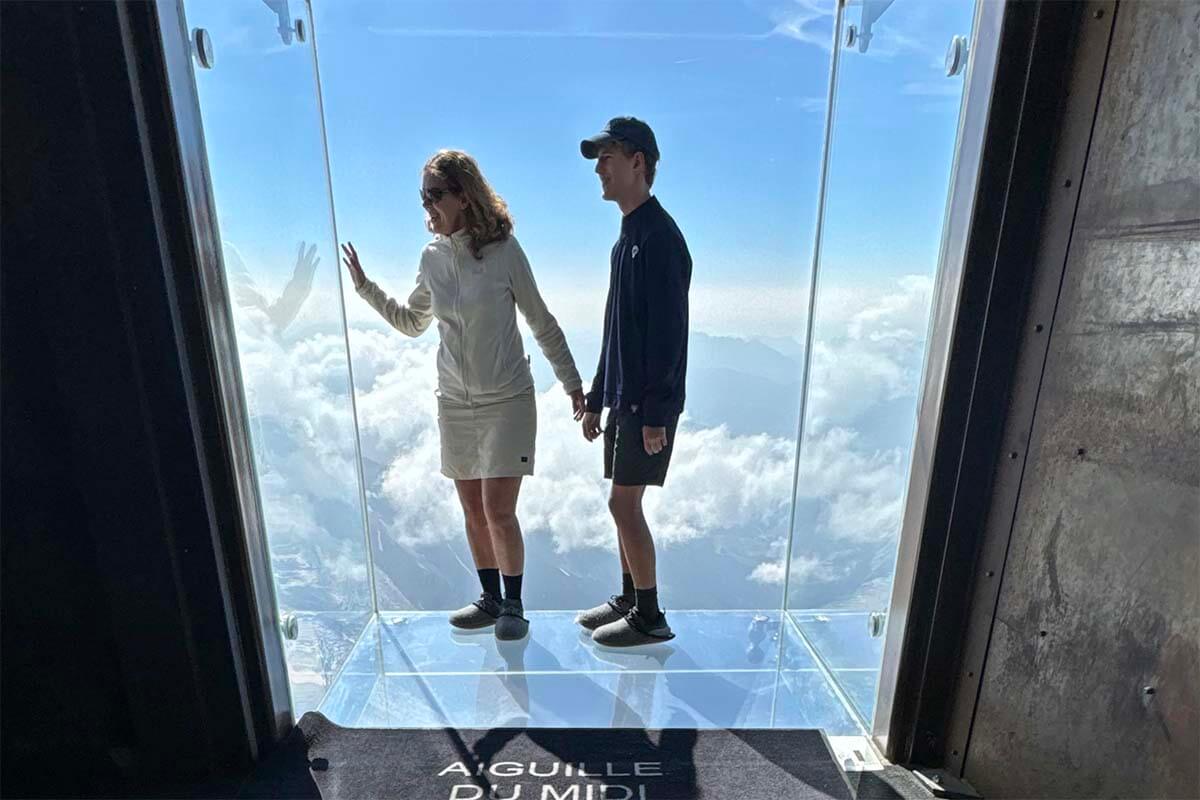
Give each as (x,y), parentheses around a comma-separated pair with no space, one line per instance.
(472,278)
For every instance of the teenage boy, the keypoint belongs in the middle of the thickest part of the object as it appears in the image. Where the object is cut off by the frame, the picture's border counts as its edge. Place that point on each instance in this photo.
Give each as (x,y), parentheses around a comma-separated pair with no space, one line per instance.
(640,379)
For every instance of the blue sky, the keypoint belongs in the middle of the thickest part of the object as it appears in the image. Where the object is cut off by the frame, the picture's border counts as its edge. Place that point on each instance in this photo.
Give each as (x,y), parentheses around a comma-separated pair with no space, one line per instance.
(520,100)
(734,90)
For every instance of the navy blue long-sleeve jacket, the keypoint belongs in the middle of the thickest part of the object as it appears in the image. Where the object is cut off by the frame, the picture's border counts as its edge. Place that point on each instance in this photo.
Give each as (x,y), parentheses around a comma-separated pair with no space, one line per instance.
(643,361)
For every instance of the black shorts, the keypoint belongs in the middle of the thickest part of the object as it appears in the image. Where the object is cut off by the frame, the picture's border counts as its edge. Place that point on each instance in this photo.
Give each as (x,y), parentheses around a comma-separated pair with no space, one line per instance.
(626,462)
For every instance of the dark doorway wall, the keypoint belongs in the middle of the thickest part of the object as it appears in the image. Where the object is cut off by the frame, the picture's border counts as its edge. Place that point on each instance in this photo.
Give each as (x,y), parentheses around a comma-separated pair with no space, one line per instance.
(129,660)
(1091,686)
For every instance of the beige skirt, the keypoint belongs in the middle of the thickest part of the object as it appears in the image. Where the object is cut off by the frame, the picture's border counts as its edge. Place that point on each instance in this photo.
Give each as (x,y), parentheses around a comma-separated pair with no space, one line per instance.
(488,441)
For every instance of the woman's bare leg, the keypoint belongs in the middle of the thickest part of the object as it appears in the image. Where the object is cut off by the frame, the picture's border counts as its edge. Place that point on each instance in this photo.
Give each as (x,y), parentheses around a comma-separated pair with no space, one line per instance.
(479,537)
(500,510)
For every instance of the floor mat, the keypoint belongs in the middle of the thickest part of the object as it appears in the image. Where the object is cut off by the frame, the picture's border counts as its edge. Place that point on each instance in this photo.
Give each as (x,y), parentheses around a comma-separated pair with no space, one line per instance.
(324,760)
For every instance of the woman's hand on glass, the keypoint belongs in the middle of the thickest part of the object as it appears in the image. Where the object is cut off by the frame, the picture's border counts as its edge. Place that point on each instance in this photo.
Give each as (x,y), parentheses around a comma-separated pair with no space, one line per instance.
(350,259)
(578,405)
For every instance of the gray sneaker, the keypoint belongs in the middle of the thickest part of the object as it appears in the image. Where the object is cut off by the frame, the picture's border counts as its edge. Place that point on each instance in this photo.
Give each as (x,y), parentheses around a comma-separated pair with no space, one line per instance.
(631,630)
(480,614)
(511,624)
(616,607)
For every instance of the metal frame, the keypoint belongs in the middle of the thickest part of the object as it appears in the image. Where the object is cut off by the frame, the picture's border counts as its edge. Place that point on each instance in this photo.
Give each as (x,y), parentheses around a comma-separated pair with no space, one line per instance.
(362,482)
(142,108)
(973,121)
(972,454)
(1084,78)
(185,104)
(814,275)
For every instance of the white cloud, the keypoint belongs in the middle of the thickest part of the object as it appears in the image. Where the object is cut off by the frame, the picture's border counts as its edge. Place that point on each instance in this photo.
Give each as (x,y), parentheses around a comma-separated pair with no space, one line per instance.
(874,594)
(527,33)
(897,304)
(804,569)
(718,309)
(813,105)
(807,21)
(868,352)
(718,480)
(895,309)
(868,515)
(868,348)
(889,41)
(298,396)
(836,461)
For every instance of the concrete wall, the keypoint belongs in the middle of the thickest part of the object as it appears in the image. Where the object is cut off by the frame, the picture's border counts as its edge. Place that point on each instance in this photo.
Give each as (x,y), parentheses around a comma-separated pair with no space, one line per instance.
(1101,591)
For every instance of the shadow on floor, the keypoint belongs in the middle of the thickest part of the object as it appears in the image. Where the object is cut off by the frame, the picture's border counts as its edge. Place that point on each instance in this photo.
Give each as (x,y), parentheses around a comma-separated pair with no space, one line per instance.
(323,760)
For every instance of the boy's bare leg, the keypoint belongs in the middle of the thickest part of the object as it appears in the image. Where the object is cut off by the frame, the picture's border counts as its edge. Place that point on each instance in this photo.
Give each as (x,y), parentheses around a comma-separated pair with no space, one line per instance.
(637,545)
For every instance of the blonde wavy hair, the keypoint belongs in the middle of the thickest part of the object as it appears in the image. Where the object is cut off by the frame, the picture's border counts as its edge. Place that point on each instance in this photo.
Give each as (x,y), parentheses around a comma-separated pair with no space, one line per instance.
(487,216)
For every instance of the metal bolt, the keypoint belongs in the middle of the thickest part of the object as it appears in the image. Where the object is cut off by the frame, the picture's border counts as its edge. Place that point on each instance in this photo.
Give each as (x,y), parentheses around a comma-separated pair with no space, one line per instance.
(1013,455)
(1039,328)
(1067,183)
(301,33)
(1149,690)
(1098,13)
(851,35)
(1042,634)
(991,573)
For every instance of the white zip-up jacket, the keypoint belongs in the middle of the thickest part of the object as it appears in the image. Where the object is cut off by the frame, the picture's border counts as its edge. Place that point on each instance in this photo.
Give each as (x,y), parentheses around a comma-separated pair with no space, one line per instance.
(481,359)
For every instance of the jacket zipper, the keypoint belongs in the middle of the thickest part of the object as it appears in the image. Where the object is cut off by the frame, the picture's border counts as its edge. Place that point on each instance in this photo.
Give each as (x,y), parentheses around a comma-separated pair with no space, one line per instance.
(462,343)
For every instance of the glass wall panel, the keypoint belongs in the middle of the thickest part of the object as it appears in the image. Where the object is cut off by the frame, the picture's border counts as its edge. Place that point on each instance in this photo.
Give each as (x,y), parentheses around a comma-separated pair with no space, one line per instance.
(266,156)
(896,111)
(736,93)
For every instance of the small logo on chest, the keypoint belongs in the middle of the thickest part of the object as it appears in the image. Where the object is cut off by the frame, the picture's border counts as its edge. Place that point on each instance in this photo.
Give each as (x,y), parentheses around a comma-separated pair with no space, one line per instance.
(635,252)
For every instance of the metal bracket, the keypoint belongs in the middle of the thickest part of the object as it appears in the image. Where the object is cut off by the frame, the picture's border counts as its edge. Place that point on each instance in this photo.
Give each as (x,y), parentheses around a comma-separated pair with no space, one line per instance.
(290,626)
(956,56)
(202,48)
(943,784)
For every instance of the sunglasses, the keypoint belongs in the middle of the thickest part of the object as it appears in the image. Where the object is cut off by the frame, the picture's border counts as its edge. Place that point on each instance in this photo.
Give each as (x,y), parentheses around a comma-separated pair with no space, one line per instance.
(434,195)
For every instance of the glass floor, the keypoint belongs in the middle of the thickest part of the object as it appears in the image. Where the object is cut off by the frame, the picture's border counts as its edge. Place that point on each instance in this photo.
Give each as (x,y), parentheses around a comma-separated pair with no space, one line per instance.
(735,669)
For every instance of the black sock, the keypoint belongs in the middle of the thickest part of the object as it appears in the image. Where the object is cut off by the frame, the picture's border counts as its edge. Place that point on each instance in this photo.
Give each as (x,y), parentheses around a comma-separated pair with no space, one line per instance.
(627,590)
(512,587)
(489,579)
(647,603)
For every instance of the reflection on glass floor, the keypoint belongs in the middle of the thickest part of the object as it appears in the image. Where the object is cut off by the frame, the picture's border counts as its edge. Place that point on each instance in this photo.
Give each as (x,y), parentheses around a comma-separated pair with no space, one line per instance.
(841,640)
(739,669)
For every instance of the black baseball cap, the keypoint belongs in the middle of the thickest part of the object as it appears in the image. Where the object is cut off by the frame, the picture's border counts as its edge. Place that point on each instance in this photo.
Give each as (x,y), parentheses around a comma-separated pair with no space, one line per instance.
(630,130)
